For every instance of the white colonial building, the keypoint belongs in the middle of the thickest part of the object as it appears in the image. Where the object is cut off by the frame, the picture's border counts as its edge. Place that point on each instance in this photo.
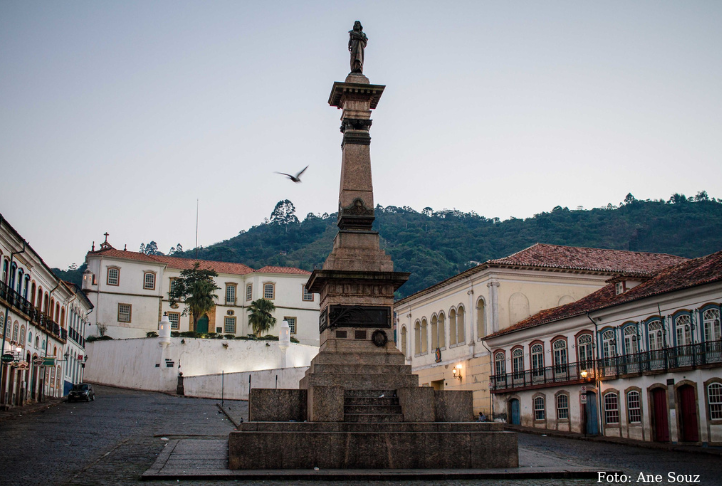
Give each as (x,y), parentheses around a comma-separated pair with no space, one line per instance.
(640,359)
(130,293)
(42,322)
(441,329)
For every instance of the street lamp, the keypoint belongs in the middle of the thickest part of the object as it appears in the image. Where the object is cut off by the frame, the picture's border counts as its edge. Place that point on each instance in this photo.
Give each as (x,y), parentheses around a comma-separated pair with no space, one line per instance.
(457,372)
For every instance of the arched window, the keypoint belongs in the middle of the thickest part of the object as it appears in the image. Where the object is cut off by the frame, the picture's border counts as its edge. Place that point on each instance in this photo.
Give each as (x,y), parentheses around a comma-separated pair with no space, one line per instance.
(537,360)
(684,330)
(480,318)
(563,406)
(656,341)
(434,332)
(442,330)
(714,398)
(499,363)
(16,330)
(403,341)
(611,408)
(608,344)
(62,317)
(517,362)
(417,337)
(584,349)
(518,308)
(13,271)
(30,337)
(19,288)
(452,327)
(57,312)
(631,346)
(424,336)
(37,342)
(460,325)
(712,331)
(21,337)
(55,350)
(634,409)
(26,287)
(560,355)
(32,294)
(539,408)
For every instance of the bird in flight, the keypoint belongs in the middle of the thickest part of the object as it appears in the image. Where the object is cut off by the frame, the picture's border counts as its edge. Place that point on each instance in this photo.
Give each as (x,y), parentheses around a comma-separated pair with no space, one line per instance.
(296,178)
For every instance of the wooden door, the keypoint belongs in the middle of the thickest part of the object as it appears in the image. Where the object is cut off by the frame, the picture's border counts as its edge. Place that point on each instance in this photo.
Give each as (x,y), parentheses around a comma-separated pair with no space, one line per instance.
(515,415)
(591,412)
(202,325)
(688,414)
(661,425)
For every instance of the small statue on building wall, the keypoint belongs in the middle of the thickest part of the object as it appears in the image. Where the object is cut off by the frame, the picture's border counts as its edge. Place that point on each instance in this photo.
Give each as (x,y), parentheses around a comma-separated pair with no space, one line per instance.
(356,44)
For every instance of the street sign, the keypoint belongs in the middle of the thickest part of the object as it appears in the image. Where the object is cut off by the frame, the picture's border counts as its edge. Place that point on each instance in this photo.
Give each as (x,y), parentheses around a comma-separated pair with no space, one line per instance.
(7,358)
(584,398)
(49,362)
(584,388)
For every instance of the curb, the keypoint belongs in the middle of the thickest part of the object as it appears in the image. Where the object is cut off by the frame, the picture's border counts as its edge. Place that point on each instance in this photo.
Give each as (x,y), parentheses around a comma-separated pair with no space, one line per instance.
(17,412)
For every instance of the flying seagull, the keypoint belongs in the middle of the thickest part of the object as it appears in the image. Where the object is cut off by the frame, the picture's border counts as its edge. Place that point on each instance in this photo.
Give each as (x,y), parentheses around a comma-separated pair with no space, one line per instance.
(296,178)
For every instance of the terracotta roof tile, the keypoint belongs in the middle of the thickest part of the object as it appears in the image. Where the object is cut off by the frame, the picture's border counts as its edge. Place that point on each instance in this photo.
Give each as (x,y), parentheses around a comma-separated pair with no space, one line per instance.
(572,258)
(691,273)
(187,263)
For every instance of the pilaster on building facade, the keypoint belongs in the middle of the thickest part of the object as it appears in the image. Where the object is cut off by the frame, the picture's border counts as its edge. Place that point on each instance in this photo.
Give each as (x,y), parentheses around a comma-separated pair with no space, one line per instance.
(43,321)
(641,359)
(130,291)
(441,329)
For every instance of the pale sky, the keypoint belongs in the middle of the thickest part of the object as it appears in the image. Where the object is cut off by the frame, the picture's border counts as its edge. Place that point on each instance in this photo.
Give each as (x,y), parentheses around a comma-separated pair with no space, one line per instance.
(117,116)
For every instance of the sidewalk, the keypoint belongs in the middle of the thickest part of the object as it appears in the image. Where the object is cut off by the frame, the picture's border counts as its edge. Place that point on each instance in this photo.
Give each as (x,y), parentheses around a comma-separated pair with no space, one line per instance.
(666,446)
(16,412)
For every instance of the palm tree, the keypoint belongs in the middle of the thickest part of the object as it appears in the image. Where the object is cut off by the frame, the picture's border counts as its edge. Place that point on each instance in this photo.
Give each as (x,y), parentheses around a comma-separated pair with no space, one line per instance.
(261,318)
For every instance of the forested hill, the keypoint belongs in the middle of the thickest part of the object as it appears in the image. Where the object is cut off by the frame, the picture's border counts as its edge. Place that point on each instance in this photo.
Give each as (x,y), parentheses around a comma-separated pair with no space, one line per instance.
(434,245)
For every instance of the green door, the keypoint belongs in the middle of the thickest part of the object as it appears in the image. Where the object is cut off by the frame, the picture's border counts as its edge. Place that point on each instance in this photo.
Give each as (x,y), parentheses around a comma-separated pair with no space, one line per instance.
(202,325)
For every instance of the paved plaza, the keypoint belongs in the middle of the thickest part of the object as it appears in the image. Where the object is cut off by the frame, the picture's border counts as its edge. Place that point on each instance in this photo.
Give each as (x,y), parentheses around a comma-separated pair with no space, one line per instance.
(117,438)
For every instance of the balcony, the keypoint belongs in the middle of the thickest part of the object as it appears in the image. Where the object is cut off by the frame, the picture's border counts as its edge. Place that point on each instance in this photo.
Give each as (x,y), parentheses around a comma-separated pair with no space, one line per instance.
(566,374)
(41,320)
(662,360)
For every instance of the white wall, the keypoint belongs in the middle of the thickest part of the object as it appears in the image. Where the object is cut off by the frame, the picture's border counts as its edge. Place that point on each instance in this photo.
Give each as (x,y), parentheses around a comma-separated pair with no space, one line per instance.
(132,363)
(236,385)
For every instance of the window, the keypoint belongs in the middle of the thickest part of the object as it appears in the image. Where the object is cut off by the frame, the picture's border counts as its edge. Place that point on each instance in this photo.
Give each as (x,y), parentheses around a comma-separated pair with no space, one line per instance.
(460,325)
(124,311)
(517,362)
(499,362)
(149,281)
(424,336)
(537,360)
(608,344)
(655,336)
(480,319)
(584,348)
(631,346)
(113,276)
(307,296)
(291,323)
(434,332)
(714,397)
(442,331)
(712,331)
(560,355)
(633,407)
(174,318)
(173,284)
(684,333)
(230,293)
(417,338)
(229,325)
(562,407)
(611,408)
(619,288)
(249,292)
(452,327)
(404,340)
(269,291)
(16,330)
(539,408)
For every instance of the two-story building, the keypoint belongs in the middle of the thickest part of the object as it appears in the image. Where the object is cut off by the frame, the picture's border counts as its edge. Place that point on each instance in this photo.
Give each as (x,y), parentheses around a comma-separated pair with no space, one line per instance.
(640,358)
(130,292)
(34,309)
(441,329)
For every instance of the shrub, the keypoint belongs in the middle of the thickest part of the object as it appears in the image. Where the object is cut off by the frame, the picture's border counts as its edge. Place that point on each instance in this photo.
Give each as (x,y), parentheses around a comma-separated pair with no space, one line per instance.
(151,334)
(174,334)
(90,339)
(229,336)
(192,334)
(294,340)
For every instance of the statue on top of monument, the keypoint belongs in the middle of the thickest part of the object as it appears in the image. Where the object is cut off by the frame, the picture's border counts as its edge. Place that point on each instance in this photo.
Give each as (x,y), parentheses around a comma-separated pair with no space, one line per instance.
(356,45)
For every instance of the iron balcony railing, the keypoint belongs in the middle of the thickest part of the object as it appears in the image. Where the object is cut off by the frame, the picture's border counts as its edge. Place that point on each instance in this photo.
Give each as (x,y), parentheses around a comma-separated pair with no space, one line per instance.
(41,320)
(662,359)
(550,375)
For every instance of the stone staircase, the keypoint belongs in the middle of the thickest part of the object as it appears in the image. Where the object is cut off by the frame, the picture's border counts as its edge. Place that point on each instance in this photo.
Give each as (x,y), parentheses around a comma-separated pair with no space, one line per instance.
(371,406)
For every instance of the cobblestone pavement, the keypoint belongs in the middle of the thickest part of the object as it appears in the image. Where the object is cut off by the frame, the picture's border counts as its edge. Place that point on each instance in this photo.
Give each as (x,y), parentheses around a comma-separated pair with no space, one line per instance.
(116,438)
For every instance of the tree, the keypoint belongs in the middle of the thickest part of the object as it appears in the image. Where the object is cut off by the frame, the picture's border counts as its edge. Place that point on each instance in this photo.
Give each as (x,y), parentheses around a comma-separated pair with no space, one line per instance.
(150,249)
(629,199)
(195,288)
(260,317)
(175,249)
(284,213)
(102,328)
(701,196)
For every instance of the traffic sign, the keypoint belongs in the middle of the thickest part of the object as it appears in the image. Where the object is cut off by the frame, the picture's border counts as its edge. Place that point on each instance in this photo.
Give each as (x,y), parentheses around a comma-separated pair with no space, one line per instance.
(584,398)
(8,357)
(584,388)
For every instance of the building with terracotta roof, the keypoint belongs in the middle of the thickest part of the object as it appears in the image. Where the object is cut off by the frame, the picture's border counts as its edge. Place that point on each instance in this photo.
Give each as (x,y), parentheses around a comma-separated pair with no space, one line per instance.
(441,329)
(640,358)
(130,294)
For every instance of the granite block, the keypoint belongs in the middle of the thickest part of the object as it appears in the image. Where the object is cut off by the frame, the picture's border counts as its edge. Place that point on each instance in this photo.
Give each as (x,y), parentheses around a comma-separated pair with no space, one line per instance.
(453,405)
(417,404)
(277,405)
(325,403)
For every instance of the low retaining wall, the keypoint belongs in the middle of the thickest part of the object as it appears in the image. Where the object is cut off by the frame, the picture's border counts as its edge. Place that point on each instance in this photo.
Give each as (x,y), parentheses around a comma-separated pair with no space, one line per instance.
(235,386)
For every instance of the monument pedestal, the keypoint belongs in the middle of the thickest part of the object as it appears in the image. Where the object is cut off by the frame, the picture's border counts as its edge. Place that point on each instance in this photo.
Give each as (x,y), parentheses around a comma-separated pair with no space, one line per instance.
(359,406)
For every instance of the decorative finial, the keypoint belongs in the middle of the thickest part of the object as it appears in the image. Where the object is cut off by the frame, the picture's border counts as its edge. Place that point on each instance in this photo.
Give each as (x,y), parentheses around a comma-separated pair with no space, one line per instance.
(356,44)
(106,237)
(93,246)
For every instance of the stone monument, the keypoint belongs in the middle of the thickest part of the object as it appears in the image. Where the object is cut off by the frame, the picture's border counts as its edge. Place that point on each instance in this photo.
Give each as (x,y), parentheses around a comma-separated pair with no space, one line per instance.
(359,406)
